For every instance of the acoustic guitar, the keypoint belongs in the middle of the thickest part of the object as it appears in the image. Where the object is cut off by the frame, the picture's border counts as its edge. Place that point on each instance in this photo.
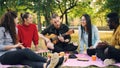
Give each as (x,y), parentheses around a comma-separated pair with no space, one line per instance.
(54,38)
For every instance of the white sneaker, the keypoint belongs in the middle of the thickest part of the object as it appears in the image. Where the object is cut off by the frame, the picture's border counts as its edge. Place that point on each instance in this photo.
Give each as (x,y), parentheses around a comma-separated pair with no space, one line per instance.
(54,60)
(109,61)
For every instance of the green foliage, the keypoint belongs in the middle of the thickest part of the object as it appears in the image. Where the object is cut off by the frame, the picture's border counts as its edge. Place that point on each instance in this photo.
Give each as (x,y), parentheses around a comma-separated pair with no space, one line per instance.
(81,8)
(113,5)
(97,9)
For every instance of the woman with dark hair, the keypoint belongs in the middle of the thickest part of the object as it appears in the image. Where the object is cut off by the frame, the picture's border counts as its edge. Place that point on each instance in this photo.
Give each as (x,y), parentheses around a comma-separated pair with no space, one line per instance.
(27,31)
(88,34)
(10,55)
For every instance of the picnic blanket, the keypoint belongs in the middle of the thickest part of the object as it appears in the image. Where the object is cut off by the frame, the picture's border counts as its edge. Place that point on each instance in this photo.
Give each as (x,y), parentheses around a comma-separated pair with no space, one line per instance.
(70,63)
(76,63)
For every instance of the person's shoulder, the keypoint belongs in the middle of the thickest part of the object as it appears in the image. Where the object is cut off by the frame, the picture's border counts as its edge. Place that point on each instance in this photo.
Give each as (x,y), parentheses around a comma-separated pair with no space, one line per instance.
(19,25)
(64,25)
(2,28)
(93,26)
(32,25)
(79,26)
(50,26)
(119,26)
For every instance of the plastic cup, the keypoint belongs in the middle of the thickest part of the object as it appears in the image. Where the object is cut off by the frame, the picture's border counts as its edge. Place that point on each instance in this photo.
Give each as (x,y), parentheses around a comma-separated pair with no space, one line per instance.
(93,57)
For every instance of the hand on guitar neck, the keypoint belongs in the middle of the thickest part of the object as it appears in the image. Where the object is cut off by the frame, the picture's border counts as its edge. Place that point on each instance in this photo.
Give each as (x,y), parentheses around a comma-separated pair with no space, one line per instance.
(54,38)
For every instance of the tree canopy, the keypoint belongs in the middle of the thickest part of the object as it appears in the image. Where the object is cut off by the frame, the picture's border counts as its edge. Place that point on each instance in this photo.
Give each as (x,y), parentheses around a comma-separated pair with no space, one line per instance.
(67,9)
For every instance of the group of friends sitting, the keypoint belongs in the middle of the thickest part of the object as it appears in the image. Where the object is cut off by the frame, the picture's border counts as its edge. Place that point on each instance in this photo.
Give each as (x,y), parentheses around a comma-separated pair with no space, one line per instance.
(16,40)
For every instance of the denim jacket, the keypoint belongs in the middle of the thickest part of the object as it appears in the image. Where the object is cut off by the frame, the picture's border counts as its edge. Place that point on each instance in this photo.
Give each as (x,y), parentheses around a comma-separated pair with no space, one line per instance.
(83,42)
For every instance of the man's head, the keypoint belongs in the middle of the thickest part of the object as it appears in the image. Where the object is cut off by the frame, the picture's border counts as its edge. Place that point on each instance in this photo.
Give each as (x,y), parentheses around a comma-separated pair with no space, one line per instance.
(112,20)
(56,20)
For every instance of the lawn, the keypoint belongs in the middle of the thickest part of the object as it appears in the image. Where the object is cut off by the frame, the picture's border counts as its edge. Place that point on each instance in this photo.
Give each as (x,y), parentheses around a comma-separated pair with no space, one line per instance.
(104,36)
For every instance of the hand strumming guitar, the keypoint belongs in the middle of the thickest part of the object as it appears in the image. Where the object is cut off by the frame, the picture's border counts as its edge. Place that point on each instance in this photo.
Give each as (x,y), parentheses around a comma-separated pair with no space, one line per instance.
(61,38)
(55,38)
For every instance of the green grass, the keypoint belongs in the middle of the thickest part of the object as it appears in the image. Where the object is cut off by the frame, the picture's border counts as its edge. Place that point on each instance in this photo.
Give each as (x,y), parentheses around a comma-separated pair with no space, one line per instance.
(104,36)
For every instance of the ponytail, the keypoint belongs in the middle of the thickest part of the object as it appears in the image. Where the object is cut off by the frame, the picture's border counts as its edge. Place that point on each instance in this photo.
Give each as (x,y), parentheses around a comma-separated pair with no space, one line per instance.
(24,16)
(21,15)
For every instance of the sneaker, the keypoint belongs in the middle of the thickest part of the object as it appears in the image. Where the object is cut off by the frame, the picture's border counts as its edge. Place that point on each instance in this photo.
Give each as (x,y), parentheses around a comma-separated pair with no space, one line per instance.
(53,61)
(109,61)
(73,56)
(61,60)
(56,63)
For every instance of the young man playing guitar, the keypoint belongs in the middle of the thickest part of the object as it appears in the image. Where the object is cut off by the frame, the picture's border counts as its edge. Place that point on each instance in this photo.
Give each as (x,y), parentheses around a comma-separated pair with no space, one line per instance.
(58,36)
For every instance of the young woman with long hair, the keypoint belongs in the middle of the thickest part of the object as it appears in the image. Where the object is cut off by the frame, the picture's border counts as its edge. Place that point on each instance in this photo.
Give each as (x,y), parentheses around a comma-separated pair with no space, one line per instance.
(10,55)
(88,34)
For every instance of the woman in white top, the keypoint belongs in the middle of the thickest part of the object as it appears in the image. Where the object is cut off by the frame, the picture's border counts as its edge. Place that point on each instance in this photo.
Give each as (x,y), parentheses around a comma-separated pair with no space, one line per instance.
(88,34)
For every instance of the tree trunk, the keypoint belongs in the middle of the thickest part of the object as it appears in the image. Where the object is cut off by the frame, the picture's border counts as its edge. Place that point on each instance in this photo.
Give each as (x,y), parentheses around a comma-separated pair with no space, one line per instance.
(66,18)
(39,21)
(39,18)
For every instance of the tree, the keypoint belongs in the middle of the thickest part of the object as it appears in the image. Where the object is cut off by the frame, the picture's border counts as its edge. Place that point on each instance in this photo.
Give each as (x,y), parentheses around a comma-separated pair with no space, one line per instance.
(3,6)
(104,7)
(43,8)
(113,5)
(16,5)
(65,6)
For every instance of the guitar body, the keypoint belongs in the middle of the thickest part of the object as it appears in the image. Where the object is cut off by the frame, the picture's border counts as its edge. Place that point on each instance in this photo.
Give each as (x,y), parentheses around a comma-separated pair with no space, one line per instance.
(53,38)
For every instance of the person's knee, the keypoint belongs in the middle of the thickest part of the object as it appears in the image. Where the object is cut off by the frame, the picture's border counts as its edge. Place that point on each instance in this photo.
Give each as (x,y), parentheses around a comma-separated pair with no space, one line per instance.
(91,52)
(75,44)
